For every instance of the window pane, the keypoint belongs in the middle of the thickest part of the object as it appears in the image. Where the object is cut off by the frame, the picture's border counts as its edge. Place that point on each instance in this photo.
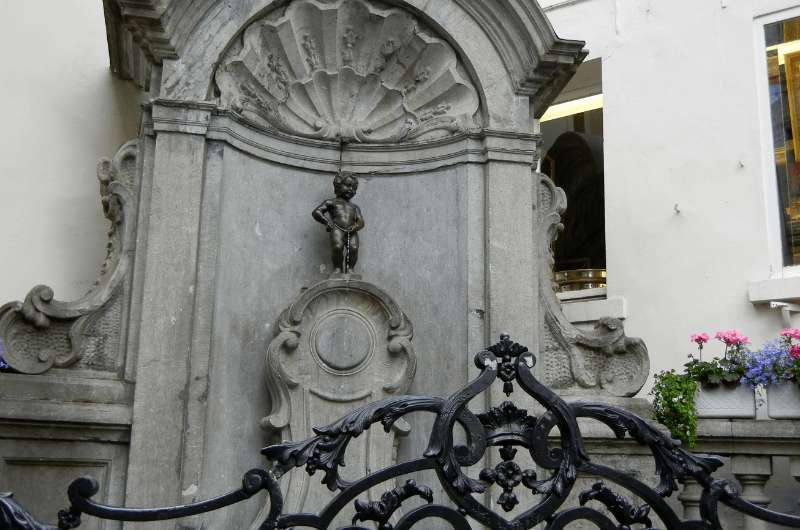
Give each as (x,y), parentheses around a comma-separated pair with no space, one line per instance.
(783,67)
(573,158)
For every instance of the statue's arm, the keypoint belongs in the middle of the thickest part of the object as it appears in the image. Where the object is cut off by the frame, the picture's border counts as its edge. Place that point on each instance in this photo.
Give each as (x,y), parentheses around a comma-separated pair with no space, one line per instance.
(319,213)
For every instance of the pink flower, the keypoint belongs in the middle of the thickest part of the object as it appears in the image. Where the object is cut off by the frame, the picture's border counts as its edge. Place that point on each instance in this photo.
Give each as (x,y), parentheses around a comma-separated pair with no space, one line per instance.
(731,337)
(699,338)
(794,351)
(791,333)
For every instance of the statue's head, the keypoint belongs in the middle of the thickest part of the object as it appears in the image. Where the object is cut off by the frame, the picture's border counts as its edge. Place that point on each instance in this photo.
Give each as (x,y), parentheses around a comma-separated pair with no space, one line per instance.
(345,185)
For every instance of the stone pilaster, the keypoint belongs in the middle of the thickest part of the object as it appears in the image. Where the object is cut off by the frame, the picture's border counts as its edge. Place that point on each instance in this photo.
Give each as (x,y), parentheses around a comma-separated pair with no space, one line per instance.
(794,468)
(512,290)
(165,332)
(690,498)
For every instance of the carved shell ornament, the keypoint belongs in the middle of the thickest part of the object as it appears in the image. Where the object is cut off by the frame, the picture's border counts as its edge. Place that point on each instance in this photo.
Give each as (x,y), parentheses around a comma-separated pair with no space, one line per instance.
(347,69)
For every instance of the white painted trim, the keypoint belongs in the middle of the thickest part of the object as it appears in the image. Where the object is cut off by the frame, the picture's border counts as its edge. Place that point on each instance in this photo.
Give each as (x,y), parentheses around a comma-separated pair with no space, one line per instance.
(769,175)
(780,289)
(593,310)
(792,271)
(766,8)
(598,292)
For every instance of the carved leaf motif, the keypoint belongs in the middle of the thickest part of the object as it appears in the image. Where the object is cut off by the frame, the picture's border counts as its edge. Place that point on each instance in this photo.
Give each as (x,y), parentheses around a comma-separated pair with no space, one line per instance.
(382,79)
(381,511)
(672,461)
(626,513)
(326,450)
(602,359)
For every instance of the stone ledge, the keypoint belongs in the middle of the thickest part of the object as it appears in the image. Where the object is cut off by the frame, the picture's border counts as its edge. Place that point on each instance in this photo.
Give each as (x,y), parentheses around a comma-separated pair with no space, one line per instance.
(61,398)
(60,387)
(749,437)
(473,147)
(69,412)
(578,311)
(738,429)
(77,432)
(778,289)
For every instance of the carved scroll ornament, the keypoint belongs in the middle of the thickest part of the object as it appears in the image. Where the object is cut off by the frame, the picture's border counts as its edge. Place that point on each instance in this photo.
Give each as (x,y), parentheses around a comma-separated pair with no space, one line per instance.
(342,342)
(574,359)
(43,332)
(350,69)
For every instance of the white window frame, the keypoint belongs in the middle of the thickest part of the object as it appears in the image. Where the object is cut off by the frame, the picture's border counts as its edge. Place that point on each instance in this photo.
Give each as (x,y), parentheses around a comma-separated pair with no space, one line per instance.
(768,171)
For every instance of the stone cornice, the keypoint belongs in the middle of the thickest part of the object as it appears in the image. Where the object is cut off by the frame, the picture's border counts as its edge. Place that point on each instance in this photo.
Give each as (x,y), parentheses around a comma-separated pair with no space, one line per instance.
(205,119)
(539,62)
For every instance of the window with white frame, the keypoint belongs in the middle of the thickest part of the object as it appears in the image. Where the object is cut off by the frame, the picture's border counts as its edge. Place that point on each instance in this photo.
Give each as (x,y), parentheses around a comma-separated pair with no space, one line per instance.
(782,48)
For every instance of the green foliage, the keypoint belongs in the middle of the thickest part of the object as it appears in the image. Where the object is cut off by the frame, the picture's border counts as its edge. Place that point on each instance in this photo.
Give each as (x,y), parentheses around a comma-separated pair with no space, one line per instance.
(793,371)
(673,403)
(716,371)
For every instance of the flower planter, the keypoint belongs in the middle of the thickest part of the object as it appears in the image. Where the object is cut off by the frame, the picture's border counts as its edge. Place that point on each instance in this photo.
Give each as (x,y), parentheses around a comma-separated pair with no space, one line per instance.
(725,401)
(783,401)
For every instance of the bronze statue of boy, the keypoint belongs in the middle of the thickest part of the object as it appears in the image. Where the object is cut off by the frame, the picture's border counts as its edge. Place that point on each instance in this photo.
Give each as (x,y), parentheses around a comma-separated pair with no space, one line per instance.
(343,220)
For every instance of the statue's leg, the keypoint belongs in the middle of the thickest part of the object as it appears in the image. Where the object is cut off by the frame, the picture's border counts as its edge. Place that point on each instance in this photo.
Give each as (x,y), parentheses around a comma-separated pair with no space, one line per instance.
(353,252)
(337,250)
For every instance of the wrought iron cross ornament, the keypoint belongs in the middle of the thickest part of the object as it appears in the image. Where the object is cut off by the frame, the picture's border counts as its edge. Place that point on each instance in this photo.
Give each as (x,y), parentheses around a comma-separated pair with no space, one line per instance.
(506,429)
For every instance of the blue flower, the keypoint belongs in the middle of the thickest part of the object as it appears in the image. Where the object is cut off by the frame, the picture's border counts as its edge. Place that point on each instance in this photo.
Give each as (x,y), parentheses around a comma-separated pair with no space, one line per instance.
(768,366)
(3,363)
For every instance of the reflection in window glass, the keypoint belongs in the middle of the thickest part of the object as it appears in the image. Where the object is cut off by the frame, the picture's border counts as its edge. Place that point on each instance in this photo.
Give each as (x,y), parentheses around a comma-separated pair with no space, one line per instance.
(573,158)
(783,65)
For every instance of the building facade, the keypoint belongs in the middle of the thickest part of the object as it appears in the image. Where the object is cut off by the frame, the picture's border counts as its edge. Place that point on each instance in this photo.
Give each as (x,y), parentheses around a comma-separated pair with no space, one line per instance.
(670,111)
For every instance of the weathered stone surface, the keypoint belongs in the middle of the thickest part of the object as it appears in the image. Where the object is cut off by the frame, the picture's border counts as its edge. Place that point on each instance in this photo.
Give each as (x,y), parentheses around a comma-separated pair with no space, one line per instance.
(341,344)
(68,410)
(386,76)
(166,321)
(39,472)
(149,32)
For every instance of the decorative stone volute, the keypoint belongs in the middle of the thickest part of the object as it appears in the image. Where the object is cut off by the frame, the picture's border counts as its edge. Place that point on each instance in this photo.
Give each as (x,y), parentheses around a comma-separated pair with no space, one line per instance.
(341,343)
(351,69)
(42,332)
(575,360)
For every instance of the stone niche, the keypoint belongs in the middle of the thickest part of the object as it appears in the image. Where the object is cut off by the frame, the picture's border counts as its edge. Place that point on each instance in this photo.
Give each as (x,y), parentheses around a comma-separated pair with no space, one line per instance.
(252,106)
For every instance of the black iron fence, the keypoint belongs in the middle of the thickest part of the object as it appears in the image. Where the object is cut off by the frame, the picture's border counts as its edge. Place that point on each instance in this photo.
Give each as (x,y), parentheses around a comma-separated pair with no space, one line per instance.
(506,428)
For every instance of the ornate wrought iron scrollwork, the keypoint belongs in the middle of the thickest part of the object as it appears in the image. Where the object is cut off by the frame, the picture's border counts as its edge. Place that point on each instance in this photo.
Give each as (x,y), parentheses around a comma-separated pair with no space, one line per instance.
(506,427)
(380,511)
(619,506)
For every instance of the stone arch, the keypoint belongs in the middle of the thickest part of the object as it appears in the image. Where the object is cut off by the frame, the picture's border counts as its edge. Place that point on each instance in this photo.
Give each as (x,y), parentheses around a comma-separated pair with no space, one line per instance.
(356,70)
(513,55)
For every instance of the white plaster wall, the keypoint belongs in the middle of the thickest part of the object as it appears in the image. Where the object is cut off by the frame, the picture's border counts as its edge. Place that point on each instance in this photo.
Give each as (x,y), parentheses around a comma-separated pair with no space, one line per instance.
(62,110)
(681,127)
